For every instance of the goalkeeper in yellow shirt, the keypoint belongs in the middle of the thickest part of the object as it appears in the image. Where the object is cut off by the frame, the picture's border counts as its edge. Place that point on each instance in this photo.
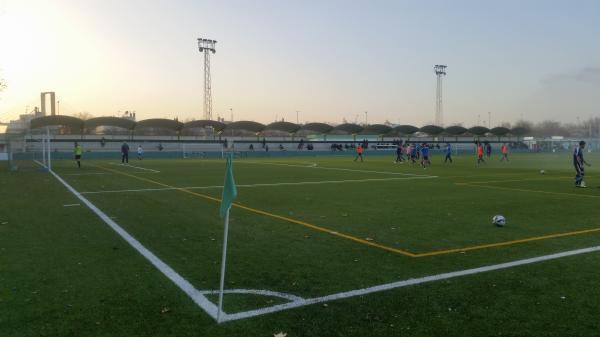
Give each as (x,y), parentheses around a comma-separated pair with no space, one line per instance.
(78,150)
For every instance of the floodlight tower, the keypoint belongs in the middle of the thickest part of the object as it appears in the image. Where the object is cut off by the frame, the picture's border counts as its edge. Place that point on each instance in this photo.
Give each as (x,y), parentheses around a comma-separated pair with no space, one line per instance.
(207,46)
(440,70)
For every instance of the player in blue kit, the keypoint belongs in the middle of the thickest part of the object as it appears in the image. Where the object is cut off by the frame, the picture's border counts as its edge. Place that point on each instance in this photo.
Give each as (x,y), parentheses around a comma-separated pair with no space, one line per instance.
(448,151)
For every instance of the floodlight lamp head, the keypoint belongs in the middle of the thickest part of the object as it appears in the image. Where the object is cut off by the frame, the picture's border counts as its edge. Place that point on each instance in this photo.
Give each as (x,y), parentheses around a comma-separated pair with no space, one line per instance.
(440,69)
(206,45)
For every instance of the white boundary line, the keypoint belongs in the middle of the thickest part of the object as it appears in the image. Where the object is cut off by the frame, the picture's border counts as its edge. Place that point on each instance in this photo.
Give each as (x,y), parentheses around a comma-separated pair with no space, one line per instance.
(399,284)
(136,190)
(182,283)
(86,174)
(330,168)
(269,293)
(137,167)
(263,185)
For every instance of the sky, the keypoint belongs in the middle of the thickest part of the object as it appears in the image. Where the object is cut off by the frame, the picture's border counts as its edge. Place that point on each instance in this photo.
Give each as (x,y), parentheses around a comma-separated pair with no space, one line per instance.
(329,60)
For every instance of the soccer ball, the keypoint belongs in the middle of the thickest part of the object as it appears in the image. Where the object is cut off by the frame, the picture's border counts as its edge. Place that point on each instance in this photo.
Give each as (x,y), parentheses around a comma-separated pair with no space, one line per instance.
(499,220)
(542,172)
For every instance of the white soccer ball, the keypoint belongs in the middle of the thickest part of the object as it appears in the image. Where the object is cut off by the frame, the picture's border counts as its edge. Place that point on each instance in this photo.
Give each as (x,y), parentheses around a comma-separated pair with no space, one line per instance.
(499,220)
(542,172)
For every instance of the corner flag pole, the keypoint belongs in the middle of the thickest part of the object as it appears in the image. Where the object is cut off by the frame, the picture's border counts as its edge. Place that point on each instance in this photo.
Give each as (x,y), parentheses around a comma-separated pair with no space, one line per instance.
(223,263)
(229,194)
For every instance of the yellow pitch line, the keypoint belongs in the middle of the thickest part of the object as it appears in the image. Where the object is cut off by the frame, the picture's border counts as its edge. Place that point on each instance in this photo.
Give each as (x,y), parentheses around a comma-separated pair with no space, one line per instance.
(507,243)
(370,243)
(275,216)
(526,190)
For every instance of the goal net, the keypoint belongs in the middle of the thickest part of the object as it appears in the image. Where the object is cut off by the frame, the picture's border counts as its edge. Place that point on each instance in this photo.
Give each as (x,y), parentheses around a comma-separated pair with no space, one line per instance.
(202,150)
(25,152)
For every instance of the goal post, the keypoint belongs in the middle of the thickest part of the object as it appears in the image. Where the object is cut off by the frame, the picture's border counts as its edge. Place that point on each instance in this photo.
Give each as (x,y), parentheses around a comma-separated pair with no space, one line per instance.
(48,150)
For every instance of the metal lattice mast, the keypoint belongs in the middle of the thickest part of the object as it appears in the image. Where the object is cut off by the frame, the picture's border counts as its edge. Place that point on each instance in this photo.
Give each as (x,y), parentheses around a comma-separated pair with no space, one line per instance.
(440,70)
(207,46)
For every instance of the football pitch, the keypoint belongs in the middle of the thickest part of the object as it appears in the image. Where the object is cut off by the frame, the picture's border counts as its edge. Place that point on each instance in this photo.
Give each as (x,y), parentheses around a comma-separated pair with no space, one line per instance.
(318,246)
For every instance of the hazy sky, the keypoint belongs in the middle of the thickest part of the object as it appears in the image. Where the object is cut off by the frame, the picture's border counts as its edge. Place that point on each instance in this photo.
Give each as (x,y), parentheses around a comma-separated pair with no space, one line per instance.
(328,59)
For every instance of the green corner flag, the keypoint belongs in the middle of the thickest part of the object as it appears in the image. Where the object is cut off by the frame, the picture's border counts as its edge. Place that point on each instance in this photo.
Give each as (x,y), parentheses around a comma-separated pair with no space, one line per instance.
(229,194)
(229,189)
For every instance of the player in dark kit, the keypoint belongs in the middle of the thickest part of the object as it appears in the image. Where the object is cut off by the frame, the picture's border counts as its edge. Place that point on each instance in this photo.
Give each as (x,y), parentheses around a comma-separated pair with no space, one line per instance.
(578,162)
(124,153)
(425,156)
(413,153)
(399,154)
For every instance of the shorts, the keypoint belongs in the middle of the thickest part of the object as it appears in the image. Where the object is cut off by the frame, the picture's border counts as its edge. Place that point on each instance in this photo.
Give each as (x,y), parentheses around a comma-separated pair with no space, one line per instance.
(425,157)
(77,156)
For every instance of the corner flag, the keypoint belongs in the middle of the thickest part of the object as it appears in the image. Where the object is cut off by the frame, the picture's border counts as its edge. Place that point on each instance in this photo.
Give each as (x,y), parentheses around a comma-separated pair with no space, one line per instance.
(229,189)
(229,194)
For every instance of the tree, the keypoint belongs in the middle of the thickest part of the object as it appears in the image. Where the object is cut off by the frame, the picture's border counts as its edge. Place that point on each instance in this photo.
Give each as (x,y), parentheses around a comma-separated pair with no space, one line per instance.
(591,127)
(83,115)
(549,128)
(523,124)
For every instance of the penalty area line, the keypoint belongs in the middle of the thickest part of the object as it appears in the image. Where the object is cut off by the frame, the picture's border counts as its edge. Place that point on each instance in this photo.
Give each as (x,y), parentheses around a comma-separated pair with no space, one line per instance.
(405,283)
(331,168)
(137,167)
(262,185)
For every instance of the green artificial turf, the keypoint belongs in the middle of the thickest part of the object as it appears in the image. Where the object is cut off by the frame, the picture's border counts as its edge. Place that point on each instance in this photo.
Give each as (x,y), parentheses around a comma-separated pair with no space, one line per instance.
(64,272)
